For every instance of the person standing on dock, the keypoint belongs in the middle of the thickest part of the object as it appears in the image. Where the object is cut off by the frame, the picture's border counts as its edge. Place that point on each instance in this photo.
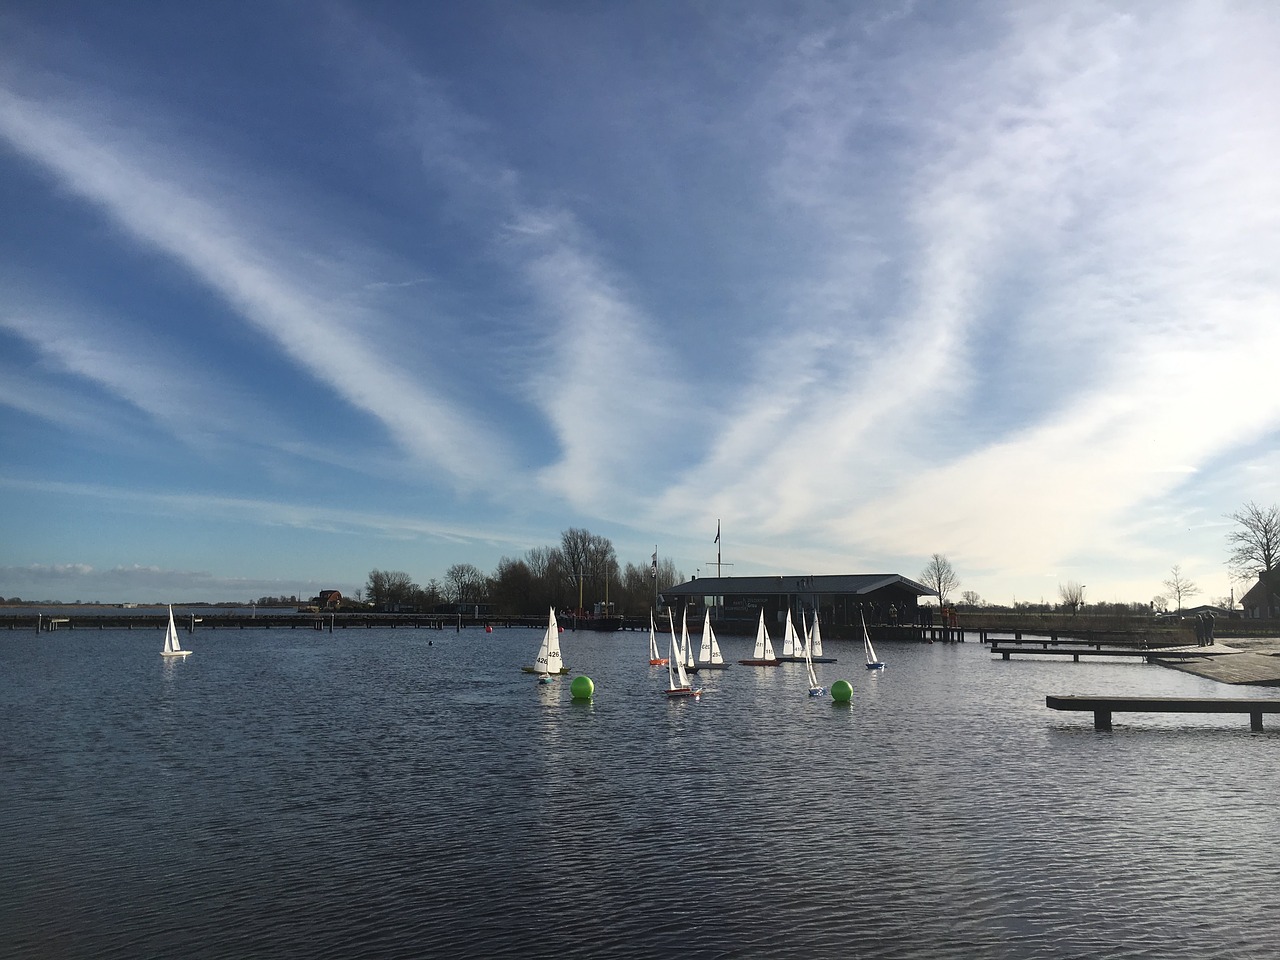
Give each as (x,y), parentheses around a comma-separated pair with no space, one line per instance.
(1199,629)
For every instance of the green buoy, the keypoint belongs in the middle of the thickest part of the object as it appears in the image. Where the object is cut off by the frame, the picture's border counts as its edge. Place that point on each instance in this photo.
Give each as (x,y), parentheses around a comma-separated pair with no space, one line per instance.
(842,691)
(582,688)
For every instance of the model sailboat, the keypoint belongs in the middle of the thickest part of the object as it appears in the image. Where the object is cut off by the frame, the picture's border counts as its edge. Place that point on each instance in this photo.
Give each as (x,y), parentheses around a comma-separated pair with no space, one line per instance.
(815,643)
(709,657)
(815,690)
(685,650)
(792,645)
(548,662)
(873,662)
(677,678)
(762,655)
(172,648)
(654,659)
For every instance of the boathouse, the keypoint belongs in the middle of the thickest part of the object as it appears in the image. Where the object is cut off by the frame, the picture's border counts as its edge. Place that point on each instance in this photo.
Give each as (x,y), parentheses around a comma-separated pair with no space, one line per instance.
(883,598)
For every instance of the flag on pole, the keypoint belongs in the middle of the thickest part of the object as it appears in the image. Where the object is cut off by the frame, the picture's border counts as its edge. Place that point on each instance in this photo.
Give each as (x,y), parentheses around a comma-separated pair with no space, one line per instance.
(653,571)
(717,539)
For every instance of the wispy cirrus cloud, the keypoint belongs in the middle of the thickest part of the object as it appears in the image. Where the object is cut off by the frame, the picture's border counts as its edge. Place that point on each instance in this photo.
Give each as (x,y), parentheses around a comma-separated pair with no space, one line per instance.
(1048,296)
(294,301)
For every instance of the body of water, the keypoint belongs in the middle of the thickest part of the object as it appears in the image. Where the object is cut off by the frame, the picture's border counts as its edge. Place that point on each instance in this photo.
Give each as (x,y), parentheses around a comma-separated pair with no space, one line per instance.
(404,793)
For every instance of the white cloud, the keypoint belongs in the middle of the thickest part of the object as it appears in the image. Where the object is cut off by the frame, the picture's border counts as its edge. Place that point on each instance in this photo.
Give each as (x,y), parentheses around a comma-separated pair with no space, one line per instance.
(294,303)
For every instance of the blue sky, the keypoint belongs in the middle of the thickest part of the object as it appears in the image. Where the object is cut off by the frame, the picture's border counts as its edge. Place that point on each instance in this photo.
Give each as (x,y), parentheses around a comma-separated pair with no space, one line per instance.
(297,290)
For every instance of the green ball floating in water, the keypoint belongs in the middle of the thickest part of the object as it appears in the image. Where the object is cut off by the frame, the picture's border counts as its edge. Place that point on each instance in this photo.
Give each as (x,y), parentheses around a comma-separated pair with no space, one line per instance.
(582,688)
(842,691)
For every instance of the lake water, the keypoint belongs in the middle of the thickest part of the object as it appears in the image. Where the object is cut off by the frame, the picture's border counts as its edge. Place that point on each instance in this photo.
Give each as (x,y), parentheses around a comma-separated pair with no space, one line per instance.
(410,793)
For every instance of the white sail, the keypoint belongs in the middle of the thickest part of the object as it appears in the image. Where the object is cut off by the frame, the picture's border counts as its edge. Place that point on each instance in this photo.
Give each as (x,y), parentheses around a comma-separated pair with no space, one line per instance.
(762,638)
(716,656)
(866,642)
(709,650)
(686,644)
(789,637)
(653,640)
(549,660)
(814,689)
(675,665)
(815,638)
(801,637)
(172,648)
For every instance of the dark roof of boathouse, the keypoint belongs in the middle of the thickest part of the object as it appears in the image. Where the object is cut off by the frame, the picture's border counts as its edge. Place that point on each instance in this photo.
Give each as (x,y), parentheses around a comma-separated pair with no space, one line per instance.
(850,584)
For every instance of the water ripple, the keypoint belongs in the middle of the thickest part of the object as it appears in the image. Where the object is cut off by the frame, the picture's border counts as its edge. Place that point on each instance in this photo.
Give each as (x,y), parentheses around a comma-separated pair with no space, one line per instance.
(373,796)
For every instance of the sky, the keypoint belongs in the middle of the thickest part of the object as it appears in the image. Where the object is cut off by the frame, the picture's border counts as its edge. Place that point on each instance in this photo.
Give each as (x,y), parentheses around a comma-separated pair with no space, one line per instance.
(296,290)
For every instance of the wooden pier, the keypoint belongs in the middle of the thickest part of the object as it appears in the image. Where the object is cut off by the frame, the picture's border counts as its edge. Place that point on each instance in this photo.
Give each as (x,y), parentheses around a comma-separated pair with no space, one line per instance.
(1075,649)
(1103,707)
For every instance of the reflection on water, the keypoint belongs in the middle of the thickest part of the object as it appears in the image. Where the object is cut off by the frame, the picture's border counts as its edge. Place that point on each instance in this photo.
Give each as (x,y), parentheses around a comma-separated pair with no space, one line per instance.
(370,794)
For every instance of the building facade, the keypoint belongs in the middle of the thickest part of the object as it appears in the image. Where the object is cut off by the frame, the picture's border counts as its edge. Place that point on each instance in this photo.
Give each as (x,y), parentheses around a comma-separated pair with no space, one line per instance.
(840,600)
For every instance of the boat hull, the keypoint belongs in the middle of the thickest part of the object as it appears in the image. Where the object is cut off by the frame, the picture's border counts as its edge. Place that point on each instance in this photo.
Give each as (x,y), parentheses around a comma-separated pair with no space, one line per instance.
(760,663)
(711,666)
(175,653)
(658,663)
(683,692)
(875,666)
(562,671)
(607,624)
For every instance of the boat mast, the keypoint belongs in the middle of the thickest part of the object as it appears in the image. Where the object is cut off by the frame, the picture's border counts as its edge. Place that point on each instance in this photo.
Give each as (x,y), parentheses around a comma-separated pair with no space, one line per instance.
(719,598)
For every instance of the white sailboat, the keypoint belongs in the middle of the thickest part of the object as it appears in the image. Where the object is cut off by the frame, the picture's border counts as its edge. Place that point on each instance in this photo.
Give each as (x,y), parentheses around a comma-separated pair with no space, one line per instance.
(709,657)
(172,648)
(873,662)
(654,659)
(792,646)
(548,662)
(677,678)
(815,690)
(815,643)
(762,655)
(686,646)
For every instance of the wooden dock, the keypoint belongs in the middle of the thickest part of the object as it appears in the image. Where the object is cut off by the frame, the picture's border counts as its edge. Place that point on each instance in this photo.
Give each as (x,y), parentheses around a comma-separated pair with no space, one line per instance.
(1216,661)
(1103,707)
(1075,649)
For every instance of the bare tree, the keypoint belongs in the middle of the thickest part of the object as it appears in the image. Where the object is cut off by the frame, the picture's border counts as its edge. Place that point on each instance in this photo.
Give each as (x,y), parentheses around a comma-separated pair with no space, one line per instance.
(970,598)
(1072,594)
(588,562)
(389,587)
(464,584)
(1255,545)
(939,577)
(1179,586)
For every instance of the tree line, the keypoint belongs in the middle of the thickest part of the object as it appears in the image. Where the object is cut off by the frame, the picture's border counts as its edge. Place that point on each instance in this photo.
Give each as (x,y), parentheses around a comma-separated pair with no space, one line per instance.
(579,572)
